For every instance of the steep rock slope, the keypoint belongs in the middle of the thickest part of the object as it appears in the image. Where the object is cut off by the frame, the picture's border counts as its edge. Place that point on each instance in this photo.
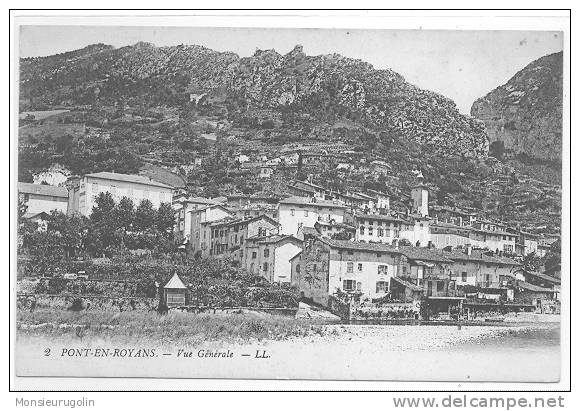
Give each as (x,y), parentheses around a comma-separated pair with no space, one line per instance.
(329,87)
(525,114)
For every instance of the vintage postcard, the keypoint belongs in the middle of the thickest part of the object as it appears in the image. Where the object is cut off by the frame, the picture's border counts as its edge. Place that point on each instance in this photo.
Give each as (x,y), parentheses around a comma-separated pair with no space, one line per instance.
(290,203)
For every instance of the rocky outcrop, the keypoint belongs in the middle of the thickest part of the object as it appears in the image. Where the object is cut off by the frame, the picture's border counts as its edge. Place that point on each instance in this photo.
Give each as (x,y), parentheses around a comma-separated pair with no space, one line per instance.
(326,88)
(525,114)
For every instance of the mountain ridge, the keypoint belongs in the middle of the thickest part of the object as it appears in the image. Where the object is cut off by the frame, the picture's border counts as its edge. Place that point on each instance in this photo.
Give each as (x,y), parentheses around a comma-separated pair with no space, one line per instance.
(524,115)
(323,86)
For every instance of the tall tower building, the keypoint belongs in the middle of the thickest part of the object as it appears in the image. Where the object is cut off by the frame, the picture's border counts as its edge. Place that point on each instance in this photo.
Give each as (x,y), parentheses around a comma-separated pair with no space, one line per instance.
(420,197)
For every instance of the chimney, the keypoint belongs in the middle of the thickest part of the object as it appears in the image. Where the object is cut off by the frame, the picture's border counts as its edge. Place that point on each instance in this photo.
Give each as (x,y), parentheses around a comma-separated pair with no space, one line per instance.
(468,249)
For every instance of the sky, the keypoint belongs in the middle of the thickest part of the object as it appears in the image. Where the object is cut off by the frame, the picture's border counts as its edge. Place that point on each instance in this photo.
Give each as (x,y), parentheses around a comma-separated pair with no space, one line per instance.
(461,65)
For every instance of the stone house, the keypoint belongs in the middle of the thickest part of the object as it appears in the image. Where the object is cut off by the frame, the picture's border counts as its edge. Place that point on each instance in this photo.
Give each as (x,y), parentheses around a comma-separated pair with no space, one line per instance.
(270,256)
(227,236)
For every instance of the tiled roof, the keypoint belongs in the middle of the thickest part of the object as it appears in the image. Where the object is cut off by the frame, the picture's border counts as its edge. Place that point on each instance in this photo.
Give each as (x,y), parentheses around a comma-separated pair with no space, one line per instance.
(175,282)
(443,224)
(129,178)
(307,201)
(480,257)
(43,190)
(427,254)
(276,238)
(360,246)
(544,277)
(202,200)
(532,287)
(310,230)
(379,217)
(232,221)
(496,232)
(407,284)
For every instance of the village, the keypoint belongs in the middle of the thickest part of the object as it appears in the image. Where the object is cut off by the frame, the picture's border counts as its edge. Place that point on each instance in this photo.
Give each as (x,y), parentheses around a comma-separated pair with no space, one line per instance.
(347,253)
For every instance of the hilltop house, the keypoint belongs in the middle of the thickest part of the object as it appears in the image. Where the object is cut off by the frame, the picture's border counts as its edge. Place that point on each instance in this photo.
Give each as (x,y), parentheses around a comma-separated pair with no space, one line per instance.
(83,190)
(41,198)
(444,234)
(295,212)
(493,236)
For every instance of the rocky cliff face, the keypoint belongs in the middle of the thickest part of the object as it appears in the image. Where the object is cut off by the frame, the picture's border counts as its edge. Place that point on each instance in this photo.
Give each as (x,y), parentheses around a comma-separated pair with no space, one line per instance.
(525,114)
(326,88)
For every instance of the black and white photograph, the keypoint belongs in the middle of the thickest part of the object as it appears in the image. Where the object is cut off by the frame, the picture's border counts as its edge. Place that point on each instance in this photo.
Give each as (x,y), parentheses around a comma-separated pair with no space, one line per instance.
(290,203)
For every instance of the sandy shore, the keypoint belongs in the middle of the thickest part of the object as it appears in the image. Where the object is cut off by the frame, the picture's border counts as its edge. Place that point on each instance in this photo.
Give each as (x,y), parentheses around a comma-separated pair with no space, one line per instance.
(359,352)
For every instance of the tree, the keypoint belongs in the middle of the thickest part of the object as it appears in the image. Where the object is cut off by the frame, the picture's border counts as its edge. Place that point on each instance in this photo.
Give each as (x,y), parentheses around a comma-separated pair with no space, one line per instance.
(73,231)
(105,228)
(103,208)
(125,214)
(164,219)
(144,216)
(46,252)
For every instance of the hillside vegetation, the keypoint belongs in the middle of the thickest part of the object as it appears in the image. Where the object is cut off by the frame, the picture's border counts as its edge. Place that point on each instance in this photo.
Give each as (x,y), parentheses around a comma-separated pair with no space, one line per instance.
(192,110)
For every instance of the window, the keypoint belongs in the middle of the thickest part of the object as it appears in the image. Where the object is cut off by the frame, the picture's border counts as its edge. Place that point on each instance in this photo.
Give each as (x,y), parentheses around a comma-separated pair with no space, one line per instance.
(348,285)
(265,266)
(370,231)
(380,232)
(382,287)
(508,248)
(362,230)
(305,213)
(254,254)
(440,286)
(266,252)
(252,267)
(487,280)
(360,266)
(292,211)
(175,298)
(349,266)
(297,268)
(383,269)
(388,232)
(464,276)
